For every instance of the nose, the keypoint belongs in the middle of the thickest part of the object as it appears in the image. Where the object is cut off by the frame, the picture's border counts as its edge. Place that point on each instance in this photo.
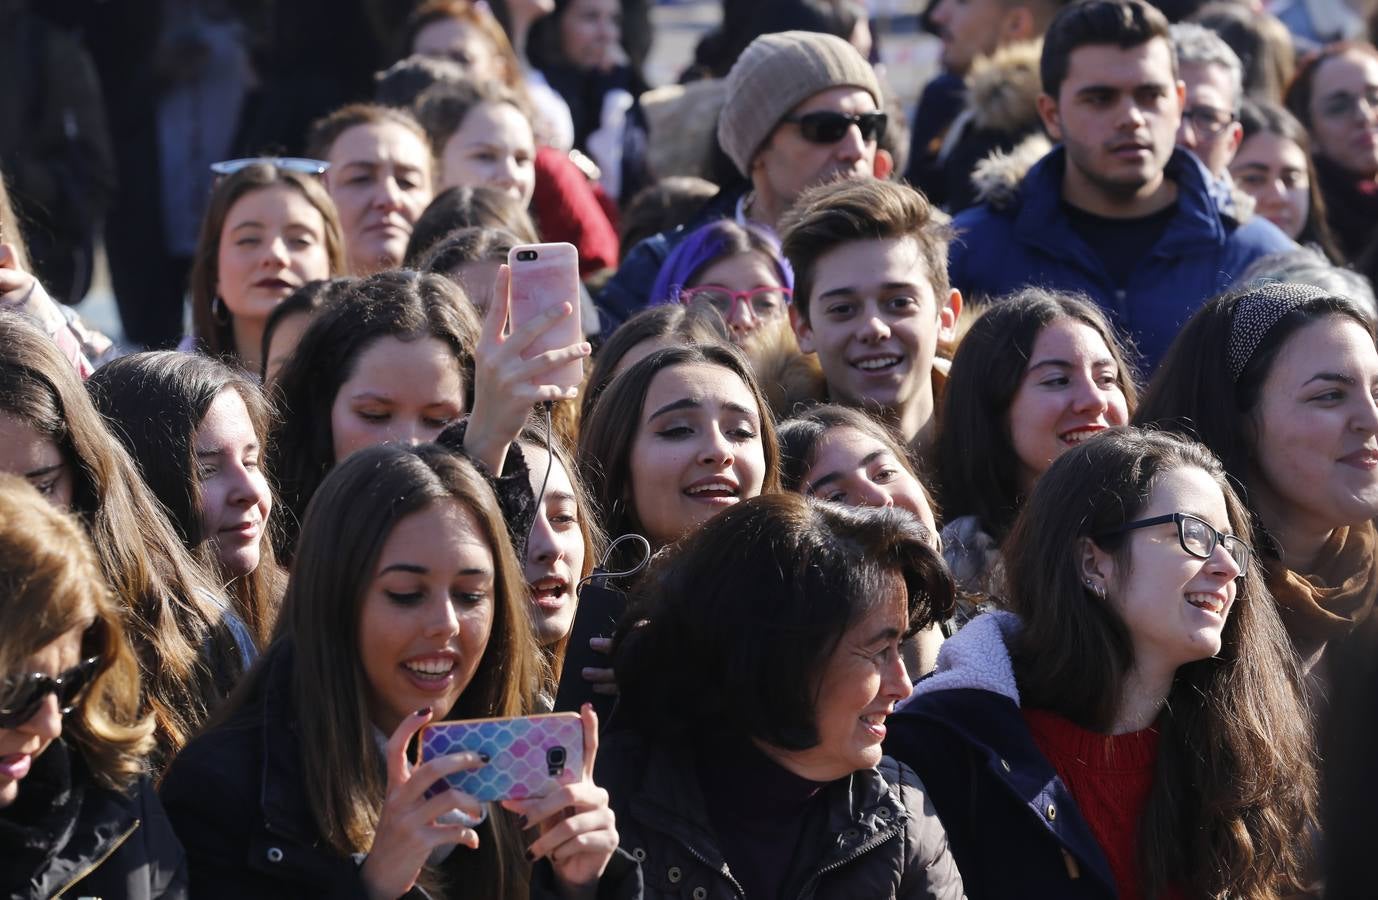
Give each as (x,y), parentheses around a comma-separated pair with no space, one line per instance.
(408,431)
(541,546)
(1366,419)
(895,684)
(742,320)
(1223,564)
(46,723)
(873,329)
(1087,396)
(852,147)
(444,622)
(717,448)
(868,493)
(277,254)
(388,194)
(246,490)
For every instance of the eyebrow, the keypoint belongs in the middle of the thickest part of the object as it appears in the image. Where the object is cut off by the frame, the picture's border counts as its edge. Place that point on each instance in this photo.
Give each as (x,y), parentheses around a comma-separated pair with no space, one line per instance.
(834,476)
(559,495)
(691,403)
(415,569)
(1068,364)
(250,224)
(1331,376)
(850,290)
(885,634)
(46,470)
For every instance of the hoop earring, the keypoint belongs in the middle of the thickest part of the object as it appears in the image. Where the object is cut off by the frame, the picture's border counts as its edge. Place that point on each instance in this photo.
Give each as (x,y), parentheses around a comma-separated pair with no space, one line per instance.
(218,311)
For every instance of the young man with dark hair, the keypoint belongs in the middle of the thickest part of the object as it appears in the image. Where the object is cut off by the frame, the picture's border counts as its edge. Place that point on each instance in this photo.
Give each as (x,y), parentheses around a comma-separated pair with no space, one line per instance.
(1116,212)
(871,296)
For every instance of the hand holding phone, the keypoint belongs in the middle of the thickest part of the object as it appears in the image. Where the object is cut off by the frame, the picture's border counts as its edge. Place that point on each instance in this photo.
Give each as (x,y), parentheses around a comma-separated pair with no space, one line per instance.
(526,756)
(546,277)
(511,373)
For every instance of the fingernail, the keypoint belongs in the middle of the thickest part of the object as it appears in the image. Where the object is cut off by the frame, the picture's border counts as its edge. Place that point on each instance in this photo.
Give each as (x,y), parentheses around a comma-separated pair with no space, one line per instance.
(530,857)
(521,820)
(423,711)
(484,757)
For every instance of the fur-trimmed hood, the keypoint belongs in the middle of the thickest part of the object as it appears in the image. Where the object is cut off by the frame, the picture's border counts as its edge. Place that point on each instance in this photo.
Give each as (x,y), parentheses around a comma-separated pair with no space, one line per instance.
(1003,88)
(790,378)
(977,657)
(997,177)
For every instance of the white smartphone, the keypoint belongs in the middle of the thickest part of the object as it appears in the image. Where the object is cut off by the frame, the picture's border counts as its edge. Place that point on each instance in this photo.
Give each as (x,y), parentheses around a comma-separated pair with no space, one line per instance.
(544,276)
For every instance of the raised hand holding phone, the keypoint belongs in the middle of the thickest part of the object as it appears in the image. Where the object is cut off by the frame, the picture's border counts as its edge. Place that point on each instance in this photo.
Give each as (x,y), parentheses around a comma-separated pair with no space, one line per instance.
(539,360)
(577,830)
(407,830)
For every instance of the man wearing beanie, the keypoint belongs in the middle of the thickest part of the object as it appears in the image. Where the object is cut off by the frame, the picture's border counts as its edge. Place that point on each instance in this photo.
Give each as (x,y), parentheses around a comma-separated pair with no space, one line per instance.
(802,109)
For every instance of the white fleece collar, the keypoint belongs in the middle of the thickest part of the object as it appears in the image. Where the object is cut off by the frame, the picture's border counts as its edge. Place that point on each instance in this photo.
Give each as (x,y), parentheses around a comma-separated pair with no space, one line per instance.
(976,657)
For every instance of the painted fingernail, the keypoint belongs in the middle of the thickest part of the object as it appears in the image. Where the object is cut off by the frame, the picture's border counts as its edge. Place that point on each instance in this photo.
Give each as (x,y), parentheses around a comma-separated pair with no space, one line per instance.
(530,857)
(423,711)
(521,820)
(484,757)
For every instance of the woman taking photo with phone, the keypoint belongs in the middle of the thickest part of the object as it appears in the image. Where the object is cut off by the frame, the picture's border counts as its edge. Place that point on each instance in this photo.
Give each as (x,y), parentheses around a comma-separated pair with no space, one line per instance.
(1133,726)
(1280,381)
(197,431)
(758,663)
(78,816)
(268,230)
(406,607)
(189,642)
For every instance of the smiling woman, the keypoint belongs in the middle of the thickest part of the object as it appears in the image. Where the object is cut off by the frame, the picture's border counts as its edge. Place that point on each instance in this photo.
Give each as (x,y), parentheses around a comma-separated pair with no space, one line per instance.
(267,231)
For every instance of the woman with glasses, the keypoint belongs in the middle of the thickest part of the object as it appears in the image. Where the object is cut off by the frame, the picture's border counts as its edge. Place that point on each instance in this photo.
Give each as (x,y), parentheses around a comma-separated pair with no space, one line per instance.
(78,815)
(734,269)
(1133,725)
(1335,95)
(1280,381)
(269,229)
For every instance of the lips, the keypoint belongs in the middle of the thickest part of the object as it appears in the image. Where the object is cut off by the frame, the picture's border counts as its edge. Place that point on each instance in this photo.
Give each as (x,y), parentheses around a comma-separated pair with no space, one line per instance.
(1076,435)
(1214,603)
(1365,458)
(550,593)
(874,724)
(15,765)
(877,363)
(1132,149)
(714,489)
(245,530)
(274,284)
(431,673)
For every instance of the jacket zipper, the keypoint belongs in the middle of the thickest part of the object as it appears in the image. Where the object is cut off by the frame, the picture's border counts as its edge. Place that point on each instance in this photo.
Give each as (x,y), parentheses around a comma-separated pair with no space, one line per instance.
(724,871)
(860,851)
(96,864)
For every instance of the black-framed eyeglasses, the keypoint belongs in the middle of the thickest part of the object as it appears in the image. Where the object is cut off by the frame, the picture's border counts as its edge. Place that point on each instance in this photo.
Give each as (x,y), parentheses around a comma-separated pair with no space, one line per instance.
(1197,537)
(288,163)
(23,696)
(1208,120)
(827,127)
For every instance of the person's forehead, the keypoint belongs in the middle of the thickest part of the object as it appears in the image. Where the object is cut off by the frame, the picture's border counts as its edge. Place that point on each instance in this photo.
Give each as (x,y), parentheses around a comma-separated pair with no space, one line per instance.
(1347,71)
(1208,79)
(844,99)
(1124,67)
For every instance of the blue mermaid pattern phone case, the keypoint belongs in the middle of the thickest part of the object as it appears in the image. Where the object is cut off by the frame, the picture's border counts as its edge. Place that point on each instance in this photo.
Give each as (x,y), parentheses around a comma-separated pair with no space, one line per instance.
(528,756)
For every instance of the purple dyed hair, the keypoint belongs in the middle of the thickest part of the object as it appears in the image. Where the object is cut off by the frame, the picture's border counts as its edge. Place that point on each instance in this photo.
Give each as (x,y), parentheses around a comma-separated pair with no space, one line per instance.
(708,244)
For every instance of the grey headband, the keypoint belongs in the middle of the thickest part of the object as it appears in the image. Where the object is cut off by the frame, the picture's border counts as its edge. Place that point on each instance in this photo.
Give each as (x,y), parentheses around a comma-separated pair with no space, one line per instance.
(1257,312)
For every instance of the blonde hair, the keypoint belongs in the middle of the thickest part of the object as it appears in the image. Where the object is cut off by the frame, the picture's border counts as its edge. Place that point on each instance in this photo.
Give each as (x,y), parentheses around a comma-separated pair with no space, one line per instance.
(51,583)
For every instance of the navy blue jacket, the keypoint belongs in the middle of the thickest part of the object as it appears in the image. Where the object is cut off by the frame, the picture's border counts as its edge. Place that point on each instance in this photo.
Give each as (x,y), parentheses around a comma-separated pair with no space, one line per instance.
(1032,242)
(1012,824)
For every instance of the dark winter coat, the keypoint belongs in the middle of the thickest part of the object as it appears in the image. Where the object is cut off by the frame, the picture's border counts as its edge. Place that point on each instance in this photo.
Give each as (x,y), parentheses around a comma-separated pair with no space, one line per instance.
(67,837)
(1199,254)
(883,838)
(1014,828)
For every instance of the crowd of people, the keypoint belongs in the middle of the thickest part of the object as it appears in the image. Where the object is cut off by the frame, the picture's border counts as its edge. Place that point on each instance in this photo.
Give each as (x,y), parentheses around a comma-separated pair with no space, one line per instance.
(979,503)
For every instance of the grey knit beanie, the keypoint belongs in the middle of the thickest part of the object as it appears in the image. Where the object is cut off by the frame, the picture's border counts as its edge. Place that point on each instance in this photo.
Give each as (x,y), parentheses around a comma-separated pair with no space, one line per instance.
(776,73)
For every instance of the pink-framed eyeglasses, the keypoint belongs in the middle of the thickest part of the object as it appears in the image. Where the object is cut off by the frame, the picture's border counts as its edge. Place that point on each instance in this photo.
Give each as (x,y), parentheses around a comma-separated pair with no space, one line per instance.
(766,302)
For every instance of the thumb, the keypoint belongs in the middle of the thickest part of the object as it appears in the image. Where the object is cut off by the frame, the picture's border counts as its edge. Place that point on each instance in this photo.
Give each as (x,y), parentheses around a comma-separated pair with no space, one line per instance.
(9,256)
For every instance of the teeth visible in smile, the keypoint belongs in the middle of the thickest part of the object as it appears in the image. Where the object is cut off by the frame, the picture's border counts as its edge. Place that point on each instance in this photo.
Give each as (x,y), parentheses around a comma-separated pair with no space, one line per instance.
(1081,434)
(1208,602)
(430,667)
(880,362)
(551,586)
(874,719)
(716,486)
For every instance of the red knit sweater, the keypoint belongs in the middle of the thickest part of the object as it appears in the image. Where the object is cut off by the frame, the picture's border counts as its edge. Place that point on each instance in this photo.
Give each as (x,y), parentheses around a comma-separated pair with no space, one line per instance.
(1110,777)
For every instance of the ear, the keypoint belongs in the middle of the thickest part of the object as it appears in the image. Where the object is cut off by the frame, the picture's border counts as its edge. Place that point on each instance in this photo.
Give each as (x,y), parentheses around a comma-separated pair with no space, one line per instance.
(1018,25)
(803,333)
(1235,135)
(1181,98)
(947,317)
(884,166)
(1097,566)
(1052,122)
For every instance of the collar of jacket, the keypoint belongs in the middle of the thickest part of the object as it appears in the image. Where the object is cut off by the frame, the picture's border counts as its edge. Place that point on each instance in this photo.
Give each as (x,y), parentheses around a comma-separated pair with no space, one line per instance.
(863,809)
(1040,221)
(285,809)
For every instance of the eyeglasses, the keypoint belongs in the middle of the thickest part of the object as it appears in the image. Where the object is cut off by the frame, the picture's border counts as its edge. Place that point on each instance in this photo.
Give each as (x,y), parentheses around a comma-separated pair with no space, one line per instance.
(289,163)
(765,302)
(25,694)
(1343,105)
(826,127)
(1196,536)
(1208,120)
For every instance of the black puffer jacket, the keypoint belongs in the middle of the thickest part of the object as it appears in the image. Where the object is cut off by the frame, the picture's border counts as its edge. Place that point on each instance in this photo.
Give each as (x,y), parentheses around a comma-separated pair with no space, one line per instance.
(67,837)
(884,839)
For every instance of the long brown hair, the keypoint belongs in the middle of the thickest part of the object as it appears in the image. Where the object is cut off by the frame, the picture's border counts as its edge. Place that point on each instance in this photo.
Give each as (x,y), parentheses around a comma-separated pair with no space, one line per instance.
(52,582)
(346,526)
(154,403)
(215,336)
(173,609)
(1235,784)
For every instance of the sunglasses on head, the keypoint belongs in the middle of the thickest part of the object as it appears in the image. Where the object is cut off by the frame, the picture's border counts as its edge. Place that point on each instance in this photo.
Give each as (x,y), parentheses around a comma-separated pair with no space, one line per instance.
(287,163)
(827,127)
(24,695)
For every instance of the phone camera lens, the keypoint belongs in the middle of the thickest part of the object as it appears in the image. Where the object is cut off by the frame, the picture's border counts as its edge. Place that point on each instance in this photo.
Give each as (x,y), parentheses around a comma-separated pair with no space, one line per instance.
(555,760)
(526,255)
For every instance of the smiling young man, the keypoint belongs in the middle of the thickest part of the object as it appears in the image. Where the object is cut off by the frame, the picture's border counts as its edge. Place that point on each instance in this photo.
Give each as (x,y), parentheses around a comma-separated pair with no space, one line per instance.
(1117,212)
(801,109)
(871,296)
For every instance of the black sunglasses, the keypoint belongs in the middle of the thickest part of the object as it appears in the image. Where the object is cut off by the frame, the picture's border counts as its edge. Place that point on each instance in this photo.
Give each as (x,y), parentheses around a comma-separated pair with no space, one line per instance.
(827,127)
(25,694)
(1197,537)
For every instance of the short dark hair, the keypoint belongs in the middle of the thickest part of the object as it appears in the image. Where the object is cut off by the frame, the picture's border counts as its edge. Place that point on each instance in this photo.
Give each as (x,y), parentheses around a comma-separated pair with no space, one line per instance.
(801,434)
(1123,23)
(1194,394)
(306,299)
(400,303)
(978,470)
(861,209)
(741,617)
(464,246)
(444,106)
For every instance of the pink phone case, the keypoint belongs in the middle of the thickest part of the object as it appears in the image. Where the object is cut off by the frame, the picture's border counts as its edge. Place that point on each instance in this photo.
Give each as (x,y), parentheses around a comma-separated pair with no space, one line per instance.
(528,756)
(547,279)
